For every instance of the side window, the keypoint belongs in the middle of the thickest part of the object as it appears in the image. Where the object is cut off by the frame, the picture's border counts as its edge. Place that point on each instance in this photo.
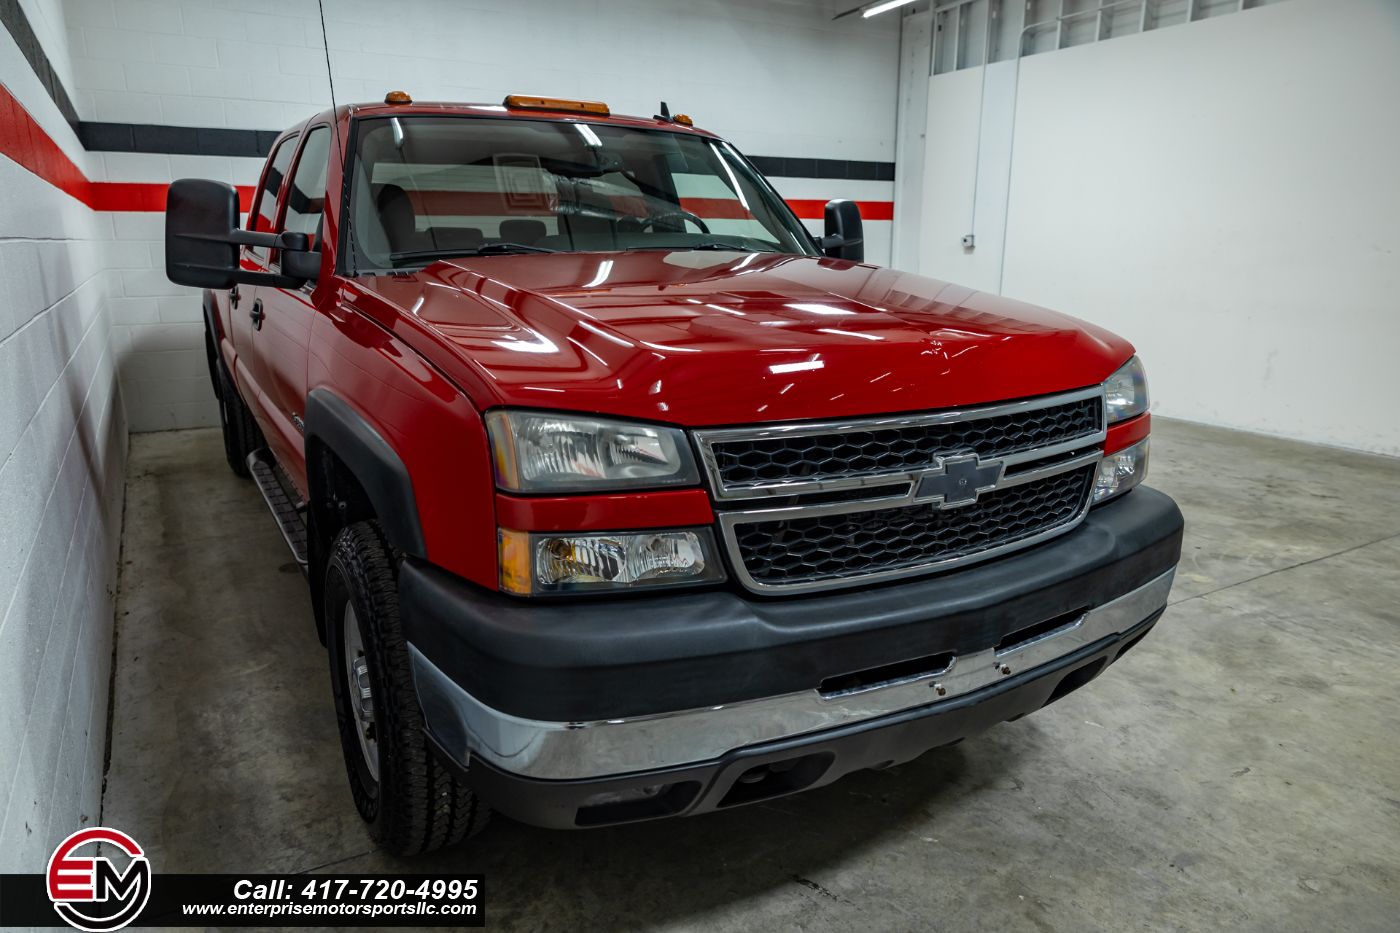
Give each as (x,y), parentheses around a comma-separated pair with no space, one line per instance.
(307,194)
(263,217)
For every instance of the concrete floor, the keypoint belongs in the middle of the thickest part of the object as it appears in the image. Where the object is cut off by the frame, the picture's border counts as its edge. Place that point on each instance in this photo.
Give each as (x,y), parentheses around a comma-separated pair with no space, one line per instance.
(1239,770)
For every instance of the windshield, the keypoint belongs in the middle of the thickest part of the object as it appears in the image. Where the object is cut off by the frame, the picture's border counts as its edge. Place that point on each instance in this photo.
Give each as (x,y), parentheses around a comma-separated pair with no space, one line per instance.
(426,188)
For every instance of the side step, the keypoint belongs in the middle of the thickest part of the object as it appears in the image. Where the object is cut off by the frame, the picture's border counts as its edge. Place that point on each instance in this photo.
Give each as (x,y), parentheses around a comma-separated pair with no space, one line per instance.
(290,514)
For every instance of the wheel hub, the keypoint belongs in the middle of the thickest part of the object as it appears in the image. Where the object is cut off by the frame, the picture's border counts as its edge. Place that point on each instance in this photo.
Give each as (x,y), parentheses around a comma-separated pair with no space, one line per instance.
(359,686)
(361,694)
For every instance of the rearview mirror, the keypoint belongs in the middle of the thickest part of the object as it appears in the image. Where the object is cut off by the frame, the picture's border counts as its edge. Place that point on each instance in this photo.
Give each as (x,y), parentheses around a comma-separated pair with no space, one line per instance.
(202,237)
(844,237)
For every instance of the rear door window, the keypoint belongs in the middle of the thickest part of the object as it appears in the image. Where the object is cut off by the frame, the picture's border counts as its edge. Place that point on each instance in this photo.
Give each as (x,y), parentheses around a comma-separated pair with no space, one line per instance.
(263,216)
(307,193)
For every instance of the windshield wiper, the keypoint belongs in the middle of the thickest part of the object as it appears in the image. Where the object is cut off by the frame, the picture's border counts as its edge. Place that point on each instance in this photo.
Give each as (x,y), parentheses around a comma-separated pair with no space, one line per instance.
(492,249)
(488,249)
(725,247)
(730,247)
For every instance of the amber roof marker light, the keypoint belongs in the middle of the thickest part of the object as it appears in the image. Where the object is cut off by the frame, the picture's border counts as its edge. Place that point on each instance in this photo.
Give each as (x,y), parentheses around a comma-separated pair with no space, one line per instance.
(528,102)
(680,118)
(397,97)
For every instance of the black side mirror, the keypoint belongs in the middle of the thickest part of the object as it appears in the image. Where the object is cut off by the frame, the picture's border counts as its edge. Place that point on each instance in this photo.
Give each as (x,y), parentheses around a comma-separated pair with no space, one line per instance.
(202,239)
(304,265)
(844,236)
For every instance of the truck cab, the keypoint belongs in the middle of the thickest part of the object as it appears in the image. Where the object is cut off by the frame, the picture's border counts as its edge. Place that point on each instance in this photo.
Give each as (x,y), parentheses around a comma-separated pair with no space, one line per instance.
(621,495)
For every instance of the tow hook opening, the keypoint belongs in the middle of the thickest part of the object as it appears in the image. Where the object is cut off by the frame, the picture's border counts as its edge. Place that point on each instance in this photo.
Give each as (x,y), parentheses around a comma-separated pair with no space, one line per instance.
(1076,679)
(1033,633)
(885,675)
(775,778)
(636,803)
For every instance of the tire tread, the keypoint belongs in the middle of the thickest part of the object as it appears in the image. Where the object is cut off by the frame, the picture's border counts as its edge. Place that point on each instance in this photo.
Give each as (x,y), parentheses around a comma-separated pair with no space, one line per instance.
(428,807)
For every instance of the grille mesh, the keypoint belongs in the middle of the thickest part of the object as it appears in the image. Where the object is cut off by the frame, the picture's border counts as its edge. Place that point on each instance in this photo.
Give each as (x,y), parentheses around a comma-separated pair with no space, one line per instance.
(819,548)
(758,461)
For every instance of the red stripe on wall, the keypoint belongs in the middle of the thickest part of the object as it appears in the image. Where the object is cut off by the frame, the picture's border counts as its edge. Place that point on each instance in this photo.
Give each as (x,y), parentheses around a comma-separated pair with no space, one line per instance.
(142,196)
(25,142)
(118,196)
(808,209)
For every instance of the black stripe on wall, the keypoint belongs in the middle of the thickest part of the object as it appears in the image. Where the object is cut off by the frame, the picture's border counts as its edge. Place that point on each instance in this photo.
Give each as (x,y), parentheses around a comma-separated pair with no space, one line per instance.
(189,140)
(216,141)
(12,15)
(175,140)
(854,169)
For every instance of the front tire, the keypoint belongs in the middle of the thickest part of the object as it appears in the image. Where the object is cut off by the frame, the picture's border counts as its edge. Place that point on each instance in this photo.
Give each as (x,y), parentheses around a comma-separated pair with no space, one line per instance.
(410,800)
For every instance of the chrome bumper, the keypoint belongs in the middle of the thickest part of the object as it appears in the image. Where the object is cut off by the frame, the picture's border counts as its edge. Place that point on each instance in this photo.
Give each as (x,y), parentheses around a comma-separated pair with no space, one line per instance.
(581,750)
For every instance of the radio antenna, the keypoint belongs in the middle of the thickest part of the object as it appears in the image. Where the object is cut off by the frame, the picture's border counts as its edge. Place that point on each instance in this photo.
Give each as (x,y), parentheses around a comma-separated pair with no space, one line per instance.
(335,116)
(330,76)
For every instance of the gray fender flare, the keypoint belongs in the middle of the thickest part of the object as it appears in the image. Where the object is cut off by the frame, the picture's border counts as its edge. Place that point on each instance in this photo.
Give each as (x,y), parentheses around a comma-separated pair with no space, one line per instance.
(334,423)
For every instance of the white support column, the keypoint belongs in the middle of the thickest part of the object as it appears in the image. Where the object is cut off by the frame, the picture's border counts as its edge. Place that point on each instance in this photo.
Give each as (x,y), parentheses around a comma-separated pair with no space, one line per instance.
(993,48)
(911,122)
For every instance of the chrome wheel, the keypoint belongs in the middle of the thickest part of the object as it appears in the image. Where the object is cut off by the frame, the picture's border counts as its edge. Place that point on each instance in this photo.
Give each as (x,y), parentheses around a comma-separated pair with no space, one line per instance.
(361,696)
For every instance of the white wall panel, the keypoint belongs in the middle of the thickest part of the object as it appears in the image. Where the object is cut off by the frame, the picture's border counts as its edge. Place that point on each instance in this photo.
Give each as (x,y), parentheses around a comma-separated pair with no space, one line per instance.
(1222,193)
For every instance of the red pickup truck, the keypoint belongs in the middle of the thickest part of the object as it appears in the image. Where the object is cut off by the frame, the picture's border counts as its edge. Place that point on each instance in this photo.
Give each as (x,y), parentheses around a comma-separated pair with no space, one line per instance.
(623,496)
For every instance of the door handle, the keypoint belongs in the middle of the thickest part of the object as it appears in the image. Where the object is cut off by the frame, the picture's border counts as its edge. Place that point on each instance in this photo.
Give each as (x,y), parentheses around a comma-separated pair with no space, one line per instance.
(233,296)
(257,314)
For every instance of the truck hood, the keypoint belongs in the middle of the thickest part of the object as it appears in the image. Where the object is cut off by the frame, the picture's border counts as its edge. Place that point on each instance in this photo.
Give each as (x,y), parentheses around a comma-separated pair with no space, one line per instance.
(711,338)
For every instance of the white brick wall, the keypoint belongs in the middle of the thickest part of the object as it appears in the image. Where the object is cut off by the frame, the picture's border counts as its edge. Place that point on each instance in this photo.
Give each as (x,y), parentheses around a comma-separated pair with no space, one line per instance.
(201,63)
(62,452)
(157,329)
(775,76)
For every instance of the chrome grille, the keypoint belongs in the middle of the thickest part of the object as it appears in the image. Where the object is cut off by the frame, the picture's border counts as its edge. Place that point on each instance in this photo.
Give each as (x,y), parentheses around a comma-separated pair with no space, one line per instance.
(749,462)
(818,506)
(850,545)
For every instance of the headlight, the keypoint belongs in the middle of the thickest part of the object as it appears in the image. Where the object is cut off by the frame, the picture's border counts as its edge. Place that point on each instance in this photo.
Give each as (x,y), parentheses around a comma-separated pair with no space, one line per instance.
(540,452)
(1121,471)
(1125,392)
(553,563)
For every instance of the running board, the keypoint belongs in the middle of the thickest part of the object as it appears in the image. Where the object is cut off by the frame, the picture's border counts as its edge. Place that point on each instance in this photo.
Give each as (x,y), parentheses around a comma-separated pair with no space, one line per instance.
(288,513)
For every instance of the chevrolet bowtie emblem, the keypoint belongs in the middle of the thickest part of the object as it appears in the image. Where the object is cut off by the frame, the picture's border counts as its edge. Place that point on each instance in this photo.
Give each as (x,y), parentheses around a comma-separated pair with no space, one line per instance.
(958,480)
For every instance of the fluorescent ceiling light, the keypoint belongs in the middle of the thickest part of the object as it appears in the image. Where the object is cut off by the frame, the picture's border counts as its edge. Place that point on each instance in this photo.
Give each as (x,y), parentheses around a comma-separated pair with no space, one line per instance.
(879,8)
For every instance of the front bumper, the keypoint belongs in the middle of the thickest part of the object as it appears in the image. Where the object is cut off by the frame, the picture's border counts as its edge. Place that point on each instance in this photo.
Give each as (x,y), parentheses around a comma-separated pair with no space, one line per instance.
(787,766)
(543,697)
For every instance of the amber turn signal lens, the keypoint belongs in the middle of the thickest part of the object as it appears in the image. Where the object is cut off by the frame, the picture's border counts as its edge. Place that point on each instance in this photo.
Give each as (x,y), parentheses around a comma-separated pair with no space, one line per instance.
(526,102)
(540,564)
(397,97)
(514,558)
